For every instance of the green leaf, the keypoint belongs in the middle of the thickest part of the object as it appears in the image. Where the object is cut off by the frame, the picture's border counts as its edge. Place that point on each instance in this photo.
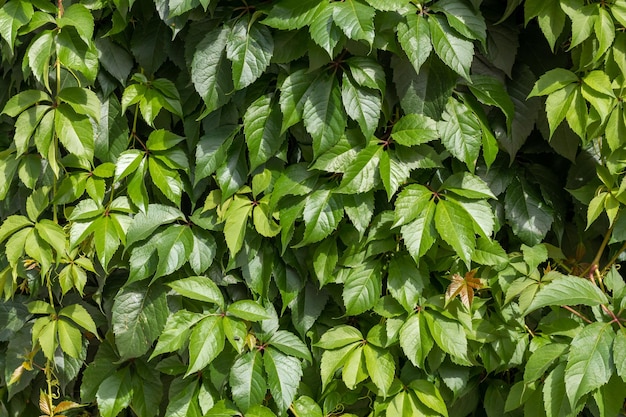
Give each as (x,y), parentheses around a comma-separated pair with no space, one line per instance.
(323,116)
(24,100)
(247,310)
(420,234)
(236,221)
(455,227)
(247,380)
(167,180)
(79,315)
(429,395)
(589,360)
(362,104)
(82,100)
(455,51)
(13,16)
(355,19)
(206,342)
(144,224)
(262,128)
(173,245)
(70,338)
(210,70)
(414,37)
(76,54)
(415,340)
(176,331)
(411,203)
(405,281)
(291,14)
(39,54)
(380,367)
(115,393)
(448,334)
(323,30)
(619,354)
(293,96)
(362,288)
(307,406)
(138,317)
(283,377)
(567,290)
(461,133)
(250,47)
(529,216)
(414,129)
(339,336)
(212,150)
(323,211)
(232,175)
(12,224)
(362,175)
(198,288)
(289,344)
(541,360)
(367,72)
(106,238)
(80,18)
(464,19)
(491,92)
(74,131)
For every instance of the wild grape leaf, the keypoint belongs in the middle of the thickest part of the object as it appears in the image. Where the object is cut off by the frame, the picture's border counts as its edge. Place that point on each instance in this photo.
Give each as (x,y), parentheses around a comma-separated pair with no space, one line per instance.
(362,104)
(14,15)
(283,376)
(461,133)
(247,380)
(173,245)
(414,37)
(455,51)
(464,19)
(415,340)
(206,342)
(420,234)
(567,290)
(464,287)
(323,29)
(448,334)
(291,14)
(293,96)
(355,19)
(250,47)
(322,213)
(362,175)
(380,367)
(455,226)
(362,288)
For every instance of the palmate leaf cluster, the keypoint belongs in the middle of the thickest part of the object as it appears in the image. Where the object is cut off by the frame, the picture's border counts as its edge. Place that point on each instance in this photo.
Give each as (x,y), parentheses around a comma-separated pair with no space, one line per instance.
(312,208)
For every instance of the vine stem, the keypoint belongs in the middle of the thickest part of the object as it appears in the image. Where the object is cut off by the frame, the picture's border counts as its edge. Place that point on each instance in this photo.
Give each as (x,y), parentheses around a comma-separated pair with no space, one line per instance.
(571,310)
(613,259)
(610,313)
(596,259)
(293,410)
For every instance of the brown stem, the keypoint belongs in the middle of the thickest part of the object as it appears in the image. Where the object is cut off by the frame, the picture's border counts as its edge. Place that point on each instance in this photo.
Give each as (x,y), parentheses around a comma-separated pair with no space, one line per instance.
(571,310)
(610,313)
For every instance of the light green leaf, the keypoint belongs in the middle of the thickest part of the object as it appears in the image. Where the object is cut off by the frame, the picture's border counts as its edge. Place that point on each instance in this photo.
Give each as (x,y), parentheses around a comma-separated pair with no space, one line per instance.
(138,316)
(144,224)
(339,336)
(212,149)
(235,225)
(198,288)
(362,288)
(106,238)
(206,342)
(173,245)
(24,100)
(176,331)
(461,133)
(13,16)
(455,51)
(567,290)
(380,367)
(74,131)
(283,377)
(405,281)
(247,380)
(210,70)
(589,360)
(70,338)
(455,227)
(167,180)
(306,406)
(541,360)
(250,47)
(80,18)
(323,115)
(39,53)
(367,72)
(333,360)
(79,315)
(162,140)
(415,340)
(355,19)
(115,393)
(262,128)
(289,344)
(420,234)
(411,203)
(414,129)
(291,14)
(464,19)
(448,334)
(414,37)
(293,96)
(247,310)
(323,211)
(362,175)
(619,354)
(429,395)
(13,224)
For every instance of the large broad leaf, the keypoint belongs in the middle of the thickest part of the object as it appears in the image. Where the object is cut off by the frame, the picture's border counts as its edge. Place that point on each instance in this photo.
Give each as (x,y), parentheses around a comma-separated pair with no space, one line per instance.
(529,217)
(455,226)
(556,402)
(461,133)
(14,15)
(198,288)
(293,95)
(339,336)
(380,367)
(619,353)
(420,234)
(173,245)
(250,47)
(291,14)
(176,331)
(567,290)
(167,180)
(415,340)
(414,129)
(115,393)
(323,29)
(212,149)
(411,203)
(355,19)
(247,380)
(589,361)
(414,37)
(405,281)
(236,220)
(323,115)
(206,342)
(283,376)
(448,334)
(139,315)
(464,19)
(262,127)
(362,175)
(322,213)
(362,288)
(106,238)
(74,131)
(210,70)
(362,104)
(144,224)
(455,51)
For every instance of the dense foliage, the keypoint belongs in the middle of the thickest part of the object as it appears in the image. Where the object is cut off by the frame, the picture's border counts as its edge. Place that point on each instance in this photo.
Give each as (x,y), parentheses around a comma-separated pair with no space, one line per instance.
(312,208)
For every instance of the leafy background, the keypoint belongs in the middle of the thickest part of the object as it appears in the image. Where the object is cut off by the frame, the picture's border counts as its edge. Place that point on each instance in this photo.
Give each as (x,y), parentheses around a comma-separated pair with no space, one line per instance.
(312,208)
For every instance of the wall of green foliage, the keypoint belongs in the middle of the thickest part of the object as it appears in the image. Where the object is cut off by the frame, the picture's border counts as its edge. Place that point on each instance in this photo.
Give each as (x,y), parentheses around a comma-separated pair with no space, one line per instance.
(312,208)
